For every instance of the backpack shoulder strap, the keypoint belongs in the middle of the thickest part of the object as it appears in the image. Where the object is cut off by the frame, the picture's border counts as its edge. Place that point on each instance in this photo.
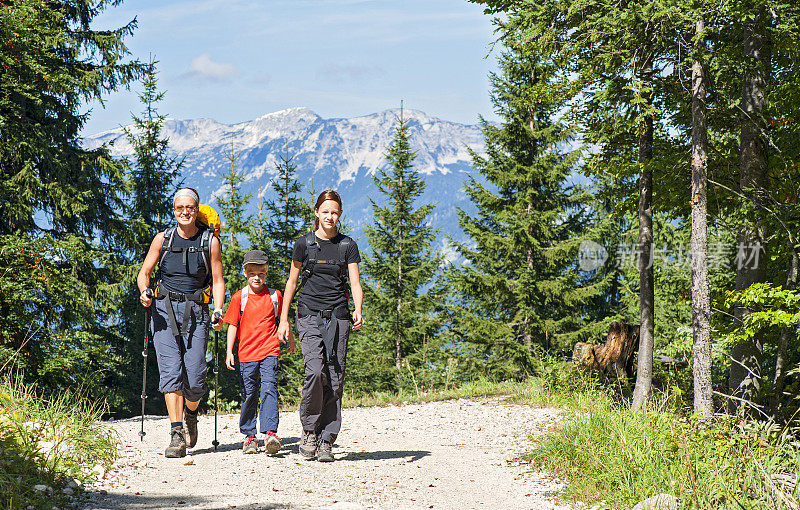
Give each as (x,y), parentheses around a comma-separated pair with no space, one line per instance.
(312,251)
(245,293)
(166,244)
(205,247)
(273,293)
(344,245)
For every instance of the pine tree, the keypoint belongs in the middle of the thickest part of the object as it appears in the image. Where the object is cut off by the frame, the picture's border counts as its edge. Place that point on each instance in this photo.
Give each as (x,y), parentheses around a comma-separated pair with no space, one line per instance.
(402,263)
(285,221)
(518,287)
(232,205)
(153,177)
(62,227)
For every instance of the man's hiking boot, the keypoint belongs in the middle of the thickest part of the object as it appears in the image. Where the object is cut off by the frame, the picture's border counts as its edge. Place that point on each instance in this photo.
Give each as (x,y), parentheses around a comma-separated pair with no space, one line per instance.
(272,443)
(308,446)
(325,451)
(190,422)
(177,444)
(250,445)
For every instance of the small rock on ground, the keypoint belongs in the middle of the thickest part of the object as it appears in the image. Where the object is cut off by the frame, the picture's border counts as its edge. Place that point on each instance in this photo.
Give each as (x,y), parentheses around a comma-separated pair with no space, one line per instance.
(659,502)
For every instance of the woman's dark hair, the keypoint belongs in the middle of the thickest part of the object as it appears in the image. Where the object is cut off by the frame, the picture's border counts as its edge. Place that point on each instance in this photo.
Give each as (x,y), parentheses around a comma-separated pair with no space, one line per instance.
(328,194)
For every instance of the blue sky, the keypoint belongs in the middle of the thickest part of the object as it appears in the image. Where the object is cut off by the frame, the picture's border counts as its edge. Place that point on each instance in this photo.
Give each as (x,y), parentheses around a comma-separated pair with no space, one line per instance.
(235,60)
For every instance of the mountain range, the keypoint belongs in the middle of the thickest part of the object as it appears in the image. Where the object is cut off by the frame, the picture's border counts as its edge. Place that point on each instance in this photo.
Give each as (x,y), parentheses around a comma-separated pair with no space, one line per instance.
(337,153)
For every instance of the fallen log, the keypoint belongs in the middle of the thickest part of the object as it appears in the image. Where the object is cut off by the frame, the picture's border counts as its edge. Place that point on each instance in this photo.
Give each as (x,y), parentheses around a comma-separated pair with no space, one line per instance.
(615,358)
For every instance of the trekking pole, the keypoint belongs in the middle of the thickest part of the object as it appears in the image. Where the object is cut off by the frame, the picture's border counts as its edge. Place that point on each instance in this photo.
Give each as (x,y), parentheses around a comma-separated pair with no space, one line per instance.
(147,311)
(214,321)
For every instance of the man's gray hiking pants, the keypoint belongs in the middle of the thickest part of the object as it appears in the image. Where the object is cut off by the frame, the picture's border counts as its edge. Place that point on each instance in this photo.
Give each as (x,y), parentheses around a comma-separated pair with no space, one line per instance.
(321,405)
(181,360)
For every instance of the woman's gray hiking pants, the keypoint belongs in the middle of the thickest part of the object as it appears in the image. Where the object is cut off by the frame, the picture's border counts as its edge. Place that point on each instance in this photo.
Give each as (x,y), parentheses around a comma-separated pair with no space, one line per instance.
(321,405)
(181,360)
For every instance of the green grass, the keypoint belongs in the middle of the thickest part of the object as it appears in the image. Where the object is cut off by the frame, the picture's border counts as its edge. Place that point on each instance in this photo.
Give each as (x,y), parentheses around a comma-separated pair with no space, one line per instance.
(612,455)
(477,388)
(47,441)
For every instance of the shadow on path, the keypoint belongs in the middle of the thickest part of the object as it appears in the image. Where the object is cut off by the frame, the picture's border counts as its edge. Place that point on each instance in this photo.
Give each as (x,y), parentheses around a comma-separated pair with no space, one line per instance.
(111,500)
(287,443)
(414,455)
(223,447)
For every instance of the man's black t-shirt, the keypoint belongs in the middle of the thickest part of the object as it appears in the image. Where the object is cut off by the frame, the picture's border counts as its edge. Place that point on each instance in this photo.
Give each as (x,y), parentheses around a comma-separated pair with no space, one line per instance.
(324,289)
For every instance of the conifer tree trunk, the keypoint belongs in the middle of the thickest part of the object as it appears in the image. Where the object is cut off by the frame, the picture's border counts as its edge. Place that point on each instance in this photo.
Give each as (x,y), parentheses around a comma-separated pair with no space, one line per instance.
(745,373)
(286,208)
(701,368)
(527,338)
(644,372)
(399,284)
(399,302)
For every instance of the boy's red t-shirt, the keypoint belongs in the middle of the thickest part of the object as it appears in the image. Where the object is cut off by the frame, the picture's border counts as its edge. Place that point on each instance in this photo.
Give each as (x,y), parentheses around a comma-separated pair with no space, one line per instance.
(258,330)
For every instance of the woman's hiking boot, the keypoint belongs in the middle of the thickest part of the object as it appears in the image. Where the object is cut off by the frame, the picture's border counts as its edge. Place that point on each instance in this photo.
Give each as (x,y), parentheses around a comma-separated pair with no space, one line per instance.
(250,444)
(177,444)
(272,443)
(325,451)
(308,446)
(190,422)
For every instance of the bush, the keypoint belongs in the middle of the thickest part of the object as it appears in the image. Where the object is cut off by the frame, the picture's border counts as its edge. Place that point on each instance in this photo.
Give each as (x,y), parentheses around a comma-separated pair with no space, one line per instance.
(47,443)
(621,457)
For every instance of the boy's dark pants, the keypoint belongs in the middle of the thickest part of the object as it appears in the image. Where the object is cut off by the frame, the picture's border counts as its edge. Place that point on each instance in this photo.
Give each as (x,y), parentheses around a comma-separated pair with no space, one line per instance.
(321,405)
(259,380)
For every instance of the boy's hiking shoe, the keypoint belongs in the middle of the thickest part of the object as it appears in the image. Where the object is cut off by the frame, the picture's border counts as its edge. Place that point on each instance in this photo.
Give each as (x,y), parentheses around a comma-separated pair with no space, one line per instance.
(190,422)
(308,446)
(272,443)
(177,444)
(325,452)
(250,445)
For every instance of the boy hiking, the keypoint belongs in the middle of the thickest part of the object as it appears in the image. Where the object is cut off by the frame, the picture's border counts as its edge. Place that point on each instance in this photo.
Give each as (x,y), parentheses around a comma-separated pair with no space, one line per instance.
(252,318)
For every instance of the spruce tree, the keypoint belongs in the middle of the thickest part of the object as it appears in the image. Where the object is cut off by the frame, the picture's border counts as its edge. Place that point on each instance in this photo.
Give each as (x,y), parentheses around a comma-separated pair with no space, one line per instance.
(518,288)
(285,222)
(236,223)
(153,177)
(61,221)
(402,262)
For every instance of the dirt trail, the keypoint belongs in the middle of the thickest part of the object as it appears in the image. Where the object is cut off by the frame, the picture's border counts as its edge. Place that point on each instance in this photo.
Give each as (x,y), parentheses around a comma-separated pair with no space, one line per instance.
(456,454)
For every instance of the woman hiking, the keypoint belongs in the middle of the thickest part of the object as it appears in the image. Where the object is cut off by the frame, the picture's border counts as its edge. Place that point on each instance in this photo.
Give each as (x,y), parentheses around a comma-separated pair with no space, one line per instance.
(325,258)
(188,256)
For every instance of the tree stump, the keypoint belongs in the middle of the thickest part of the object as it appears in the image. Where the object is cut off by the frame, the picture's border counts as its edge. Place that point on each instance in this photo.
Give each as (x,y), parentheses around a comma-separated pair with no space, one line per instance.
(615,358)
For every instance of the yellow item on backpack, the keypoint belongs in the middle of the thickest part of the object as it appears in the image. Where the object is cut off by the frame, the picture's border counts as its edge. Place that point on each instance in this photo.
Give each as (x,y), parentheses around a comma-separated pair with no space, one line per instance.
(209,217)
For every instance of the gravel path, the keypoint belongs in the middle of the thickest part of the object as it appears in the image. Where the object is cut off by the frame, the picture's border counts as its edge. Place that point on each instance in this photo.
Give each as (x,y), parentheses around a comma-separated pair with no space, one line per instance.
(455,454)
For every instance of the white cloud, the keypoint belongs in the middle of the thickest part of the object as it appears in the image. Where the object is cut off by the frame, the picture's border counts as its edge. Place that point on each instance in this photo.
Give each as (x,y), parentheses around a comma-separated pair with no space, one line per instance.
(203,68)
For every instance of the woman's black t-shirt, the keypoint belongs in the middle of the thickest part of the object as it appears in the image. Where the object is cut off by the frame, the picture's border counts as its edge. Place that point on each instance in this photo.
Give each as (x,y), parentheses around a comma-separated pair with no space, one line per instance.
(324,289)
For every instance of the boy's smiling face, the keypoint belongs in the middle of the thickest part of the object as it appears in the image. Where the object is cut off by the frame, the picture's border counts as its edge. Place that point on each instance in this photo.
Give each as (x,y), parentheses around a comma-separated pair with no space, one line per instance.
(256,274)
